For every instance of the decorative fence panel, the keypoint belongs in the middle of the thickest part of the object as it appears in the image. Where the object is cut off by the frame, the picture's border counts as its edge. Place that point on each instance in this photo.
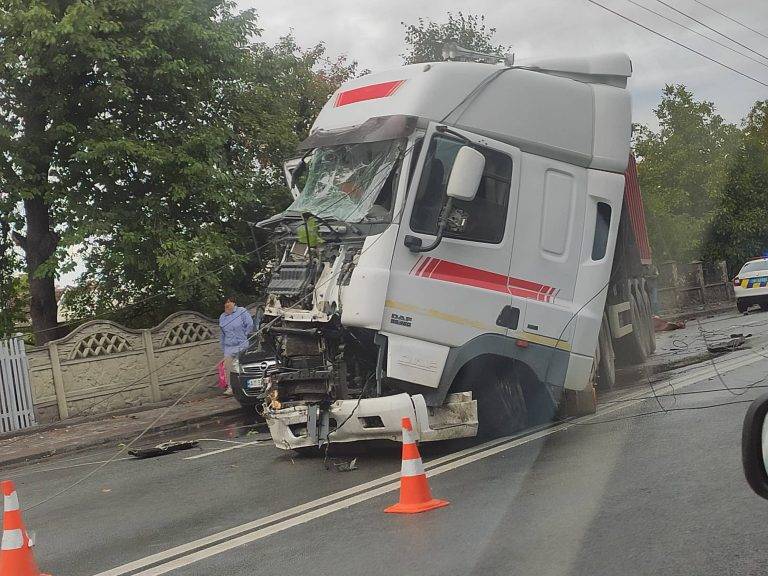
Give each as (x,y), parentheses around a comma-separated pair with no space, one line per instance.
(102,366)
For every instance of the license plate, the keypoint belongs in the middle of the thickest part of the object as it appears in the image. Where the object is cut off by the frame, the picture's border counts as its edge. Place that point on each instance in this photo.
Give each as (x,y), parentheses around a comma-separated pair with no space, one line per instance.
(254,383)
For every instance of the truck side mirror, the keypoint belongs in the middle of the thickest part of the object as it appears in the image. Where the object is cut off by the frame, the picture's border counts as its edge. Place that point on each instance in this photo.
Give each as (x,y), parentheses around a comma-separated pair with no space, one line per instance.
(466,174)
(463,182)
(754,454)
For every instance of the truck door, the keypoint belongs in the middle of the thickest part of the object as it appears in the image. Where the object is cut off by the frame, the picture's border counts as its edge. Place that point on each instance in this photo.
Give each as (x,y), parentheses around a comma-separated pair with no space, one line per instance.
(462,288)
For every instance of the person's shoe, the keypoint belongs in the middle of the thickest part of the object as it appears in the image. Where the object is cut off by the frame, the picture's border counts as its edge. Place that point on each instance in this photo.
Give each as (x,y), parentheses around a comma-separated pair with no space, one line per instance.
(227,391)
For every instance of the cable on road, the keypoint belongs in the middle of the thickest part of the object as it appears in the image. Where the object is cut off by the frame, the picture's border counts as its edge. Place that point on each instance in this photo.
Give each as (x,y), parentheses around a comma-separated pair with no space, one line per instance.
(652,412)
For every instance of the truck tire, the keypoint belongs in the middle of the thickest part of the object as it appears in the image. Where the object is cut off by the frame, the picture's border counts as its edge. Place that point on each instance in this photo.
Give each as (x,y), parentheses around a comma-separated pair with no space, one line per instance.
(649,316)
(741,305)
(634,346)
(645,313)
(501,406)
(606,368)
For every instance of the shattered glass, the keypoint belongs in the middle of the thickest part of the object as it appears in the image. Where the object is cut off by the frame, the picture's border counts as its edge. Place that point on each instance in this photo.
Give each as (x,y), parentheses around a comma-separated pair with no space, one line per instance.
(344,182)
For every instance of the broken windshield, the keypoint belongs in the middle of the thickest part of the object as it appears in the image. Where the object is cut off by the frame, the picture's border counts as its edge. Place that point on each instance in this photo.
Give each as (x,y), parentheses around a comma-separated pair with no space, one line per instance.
(350,182)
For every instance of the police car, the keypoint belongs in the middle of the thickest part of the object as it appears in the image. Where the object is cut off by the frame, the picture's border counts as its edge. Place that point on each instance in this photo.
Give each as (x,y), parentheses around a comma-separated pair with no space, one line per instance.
(751,285)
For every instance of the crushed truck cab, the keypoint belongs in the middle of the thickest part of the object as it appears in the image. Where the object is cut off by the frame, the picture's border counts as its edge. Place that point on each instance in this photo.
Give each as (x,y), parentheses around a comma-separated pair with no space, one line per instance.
(451,253)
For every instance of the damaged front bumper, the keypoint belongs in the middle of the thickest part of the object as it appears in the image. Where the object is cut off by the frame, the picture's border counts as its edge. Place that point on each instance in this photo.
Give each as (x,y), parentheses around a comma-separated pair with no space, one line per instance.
(373,419)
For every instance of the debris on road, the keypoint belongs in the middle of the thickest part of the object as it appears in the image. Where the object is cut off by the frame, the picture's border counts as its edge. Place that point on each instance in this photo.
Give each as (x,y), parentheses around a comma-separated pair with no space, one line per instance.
(661,325)
(735,341)
(164,448)
(346,466)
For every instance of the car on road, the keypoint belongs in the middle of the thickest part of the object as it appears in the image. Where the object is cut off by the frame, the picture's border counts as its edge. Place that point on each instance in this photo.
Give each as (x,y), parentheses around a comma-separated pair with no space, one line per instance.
(751,285)
(248,370)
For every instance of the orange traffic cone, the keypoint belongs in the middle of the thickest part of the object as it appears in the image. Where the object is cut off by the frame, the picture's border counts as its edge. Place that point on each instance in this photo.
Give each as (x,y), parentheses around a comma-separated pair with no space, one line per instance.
(16,557)
(414,491)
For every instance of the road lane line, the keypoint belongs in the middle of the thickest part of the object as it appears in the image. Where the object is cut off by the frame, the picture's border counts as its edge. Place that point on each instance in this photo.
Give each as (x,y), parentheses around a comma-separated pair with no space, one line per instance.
(236,530)
(258,529)
(228,448)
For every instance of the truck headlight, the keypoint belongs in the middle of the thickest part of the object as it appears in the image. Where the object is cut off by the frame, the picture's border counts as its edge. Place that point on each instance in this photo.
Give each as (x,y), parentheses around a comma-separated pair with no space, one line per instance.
(235,365)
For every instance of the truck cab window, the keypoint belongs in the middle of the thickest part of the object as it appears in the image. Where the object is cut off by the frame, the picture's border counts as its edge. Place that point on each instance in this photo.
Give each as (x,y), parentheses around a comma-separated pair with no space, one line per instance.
(481,220)
(602,226)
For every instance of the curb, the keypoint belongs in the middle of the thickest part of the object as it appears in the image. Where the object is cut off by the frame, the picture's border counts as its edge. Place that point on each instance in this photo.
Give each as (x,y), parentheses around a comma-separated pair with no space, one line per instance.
(58,424)
(159,428)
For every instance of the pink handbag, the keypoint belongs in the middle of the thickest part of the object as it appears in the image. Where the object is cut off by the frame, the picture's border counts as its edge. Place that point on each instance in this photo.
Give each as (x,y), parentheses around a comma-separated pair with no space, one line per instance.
(222,376)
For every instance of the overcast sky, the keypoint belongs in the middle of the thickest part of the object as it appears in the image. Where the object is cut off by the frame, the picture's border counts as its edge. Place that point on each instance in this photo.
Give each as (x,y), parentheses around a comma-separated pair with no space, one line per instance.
(371,33)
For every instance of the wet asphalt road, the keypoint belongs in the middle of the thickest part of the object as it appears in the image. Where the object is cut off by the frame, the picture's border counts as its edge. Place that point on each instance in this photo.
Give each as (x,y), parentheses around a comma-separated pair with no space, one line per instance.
(617,493)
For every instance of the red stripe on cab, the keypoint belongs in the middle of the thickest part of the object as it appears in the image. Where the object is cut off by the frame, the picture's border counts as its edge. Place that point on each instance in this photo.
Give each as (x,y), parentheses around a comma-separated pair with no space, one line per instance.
(370,92)
(437,269)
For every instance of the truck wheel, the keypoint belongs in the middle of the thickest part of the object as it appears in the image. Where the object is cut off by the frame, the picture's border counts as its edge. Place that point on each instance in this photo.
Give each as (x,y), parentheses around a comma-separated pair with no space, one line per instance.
(741,306)
(501,407)
(635,344)
(648,316)
(606,368)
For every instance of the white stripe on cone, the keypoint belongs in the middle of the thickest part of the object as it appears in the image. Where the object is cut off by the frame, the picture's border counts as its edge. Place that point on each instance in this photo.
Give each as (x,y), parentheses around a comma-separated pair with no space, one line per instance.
(412,468)
(408,437)
(11,502)
(12,540)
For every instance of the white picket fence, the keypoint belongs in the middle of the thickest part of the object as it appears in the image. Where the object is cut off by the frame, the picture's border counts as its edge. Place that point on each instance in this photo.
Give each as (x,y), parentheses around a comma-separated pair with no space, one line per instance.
(16,409)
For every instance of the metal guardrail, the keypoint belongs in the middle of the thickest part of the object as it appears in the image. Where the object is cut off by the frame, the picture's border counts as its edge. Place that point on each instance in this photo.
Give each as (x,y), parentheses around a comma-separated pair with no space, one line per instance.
(16,407)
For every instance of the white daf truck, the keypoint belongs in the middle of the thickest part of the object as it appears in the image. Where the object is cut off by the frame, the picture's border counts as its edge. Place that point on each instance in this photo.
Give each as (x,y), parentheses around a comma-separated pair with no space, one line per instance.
(457,252)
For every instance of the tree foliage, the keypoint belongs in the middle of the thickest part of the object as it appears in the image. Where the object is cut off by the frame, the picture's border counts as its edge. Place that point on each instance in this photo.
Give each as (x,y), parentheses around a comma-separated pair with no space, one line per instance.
(740,226)
(682,169)
(10,312)
(147,134)
(425,38)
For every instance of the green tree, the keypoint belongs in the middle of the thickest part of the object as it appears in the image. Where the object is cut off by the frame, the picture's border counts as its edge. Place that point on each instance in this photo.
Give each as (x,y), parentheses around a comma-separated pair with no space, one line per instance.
(682,171)
(10,314)
(425,38)
(739,229)
(211,250)
(112,114)
(147,134)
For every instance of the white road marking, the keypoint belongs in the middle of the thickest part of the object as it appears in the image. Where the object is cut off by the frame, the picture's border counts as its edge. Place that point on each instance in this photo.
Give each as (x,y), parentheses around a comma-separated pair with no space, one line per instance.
(194,551)
(227,449)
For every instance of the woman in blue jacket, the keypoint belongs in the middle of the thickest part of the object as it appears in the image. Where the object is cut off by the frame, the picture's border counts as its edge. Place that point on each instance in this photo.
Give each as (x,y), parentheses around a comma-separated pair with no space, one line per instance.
(236,324)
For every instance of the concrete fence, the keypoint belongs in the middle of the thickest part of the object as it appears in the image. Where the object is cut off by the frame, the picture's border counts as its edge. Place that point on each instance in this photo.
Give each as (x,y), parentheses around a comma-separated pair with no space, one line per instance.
(102,366)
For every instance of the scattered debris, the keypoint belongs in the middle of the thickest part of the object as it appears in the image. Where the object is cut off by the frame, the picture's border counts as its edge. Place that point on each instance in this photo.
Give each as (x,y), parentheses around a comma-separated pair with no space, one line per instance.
(164,448)
(340,465)
(661,325)
(346,466)
(735,341)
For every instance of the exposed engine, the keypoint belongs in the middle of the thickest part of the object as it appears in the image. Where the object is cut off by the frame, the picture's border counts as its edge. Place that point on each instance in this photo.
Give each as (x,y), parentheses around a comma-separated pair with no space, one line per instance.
(319,360)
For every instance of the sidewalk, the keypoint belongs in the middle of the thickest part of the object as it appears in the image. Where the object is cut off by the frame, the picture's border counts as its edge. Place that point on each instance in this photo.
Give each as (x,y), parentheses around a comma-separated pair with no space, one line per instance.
(62,438)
